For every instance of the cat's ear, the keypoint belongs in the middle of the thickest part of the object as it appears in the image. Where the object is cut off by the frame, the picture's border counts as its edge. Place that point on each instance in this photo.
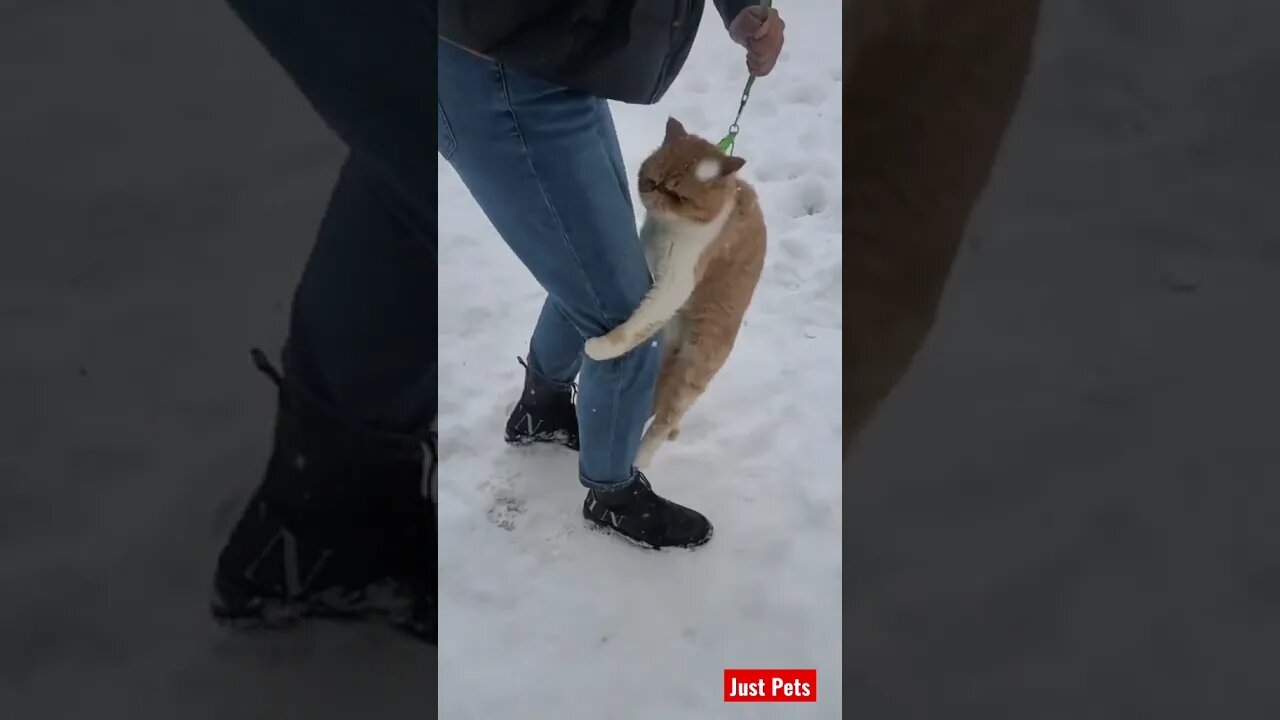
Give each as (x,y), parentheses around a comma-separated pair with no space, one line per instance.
(674,130)
(731,165)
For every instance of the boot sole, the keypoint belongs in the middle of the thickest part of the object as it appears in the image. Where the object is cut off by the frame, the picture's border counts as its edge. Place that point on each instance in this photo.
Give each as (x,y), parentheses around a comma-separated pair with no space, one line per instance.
(280,617)
(272,615)
(609,530)
(525,441)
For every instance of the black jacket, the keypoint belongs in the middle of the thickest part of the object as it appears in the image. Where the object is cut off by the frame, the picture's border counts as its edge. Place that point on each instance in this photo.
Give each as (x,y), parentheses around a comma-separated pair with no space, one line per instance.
(625,50)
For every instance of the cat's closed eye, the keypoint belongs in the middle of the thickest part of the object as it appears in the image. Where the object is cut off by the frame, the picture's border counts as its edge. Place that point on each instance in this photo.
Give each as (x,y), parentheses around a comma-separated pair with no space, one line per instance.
(648,185)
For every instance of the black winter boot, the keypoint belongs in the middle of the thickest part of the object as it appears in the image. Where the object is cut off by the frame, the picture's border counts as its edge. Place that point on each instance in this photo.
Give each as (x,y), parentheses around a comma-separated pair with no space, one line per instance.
(545,413)
(341,527)
(638,514)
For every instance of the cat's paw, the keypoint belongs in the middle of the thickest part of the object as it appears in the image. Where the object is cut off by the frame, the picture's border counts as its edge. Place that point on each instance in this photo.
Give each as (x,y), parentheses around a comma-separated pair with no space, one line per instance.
(600,348)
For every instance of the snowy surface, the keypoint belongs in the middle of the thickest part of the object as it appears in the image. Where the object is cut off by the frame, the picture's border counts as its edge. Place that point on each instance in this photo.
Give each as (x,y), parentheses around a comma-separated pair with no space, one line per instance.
(539,613)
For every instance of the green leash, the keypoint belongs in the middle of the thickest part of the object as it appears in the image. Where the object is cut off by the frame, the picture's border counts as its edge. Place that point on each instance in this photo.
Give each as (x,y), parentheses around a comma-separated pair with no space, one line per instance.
(726,145)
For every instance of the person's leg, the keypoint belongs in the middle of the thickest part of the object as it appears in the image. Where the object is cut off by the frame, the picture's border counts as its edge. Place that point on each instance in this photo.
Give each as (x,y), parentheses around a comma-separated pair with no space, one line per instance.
(361,329)
(545,412)
(535,158)
(341,523)
(543,163)
(555,349)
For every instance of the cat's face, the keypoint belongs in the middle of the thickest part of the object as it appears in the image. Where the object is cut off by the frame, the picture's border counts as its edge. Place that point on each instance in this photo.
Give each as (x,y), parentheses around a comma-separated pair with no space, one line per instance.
(687,177)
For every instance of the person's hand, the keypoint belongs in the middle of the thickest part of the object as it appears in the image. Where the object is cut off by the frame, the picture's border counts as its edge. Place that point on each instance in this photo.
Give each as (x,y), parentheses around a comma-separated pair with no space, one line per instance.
(759,30)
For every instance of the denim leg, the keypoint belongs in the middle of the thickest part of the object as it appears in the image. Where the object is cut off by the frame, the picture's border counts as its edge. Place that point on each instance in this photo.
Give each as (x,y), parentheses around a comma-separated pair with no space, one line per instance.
(555,350)
(609,139)
(363,325)
(542,163)
(360,332)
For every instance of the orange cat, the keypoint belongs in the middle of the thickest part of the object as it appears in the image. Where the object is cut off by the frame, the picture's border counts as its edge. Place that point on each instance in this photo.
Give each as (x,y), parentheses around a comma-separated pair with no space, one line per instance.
(931,86)
(704,238)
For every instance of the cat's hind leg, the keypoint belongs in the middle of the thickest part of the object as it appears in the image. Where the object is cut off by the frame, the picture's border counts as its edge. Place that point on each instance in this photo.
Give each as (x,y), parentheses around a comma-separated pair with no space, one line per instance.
(670,377)
(649,445)
(652,440)
(682,380)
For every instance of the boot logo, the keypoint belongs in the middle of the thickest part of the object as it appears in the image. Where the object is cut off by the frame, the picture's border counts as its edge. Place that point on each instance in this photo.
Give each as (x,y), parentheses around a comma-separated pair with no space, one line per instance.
(530,426)
(297,579)
(609,516)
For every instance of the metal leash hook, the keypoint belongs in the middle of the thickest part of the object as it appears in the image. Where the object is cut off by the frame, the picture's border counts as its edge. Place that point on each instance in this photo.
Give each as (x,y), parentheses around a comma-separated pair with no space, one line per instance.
(726,145)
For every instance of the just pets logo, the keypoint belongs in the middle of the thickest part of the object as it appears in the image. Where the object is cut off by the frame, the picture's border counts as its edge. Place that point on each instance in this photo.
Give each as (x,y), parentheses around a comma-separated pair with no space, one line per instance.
(757,685)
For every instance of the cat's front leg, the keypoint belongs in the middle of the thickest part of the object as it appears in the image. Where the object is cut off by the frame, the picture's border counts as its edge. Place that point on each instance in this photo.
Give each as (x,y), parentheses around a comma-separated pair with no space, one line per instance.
(664,300)
(620,341)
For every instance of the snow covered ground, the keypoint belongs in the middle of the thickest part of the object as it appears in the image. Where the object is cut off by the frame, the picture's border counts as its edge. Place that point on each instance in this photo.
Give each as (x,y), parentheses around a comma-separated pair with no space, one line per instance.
(541,614)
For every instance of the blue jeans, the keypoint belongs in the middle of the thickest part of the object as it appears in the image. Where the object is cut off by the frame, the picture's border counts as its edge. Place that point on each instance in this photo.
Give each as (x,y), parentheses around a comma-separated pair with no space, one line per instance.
(544,165)
(362,330)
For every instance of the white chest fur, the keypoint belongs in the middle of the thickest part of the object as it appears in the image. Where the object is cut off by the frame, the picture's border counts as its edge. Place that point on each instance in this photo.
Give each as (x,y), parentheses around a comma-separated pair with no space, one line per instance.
(671,243)
(672,248)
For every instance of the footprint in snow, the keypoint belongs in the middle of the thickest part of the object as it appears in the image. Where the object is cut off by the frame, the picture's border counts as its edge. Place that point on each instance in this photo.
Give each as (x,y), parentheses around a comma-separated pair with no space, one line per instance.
(805,93)
(809,197)
(506,511)
(776,169)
